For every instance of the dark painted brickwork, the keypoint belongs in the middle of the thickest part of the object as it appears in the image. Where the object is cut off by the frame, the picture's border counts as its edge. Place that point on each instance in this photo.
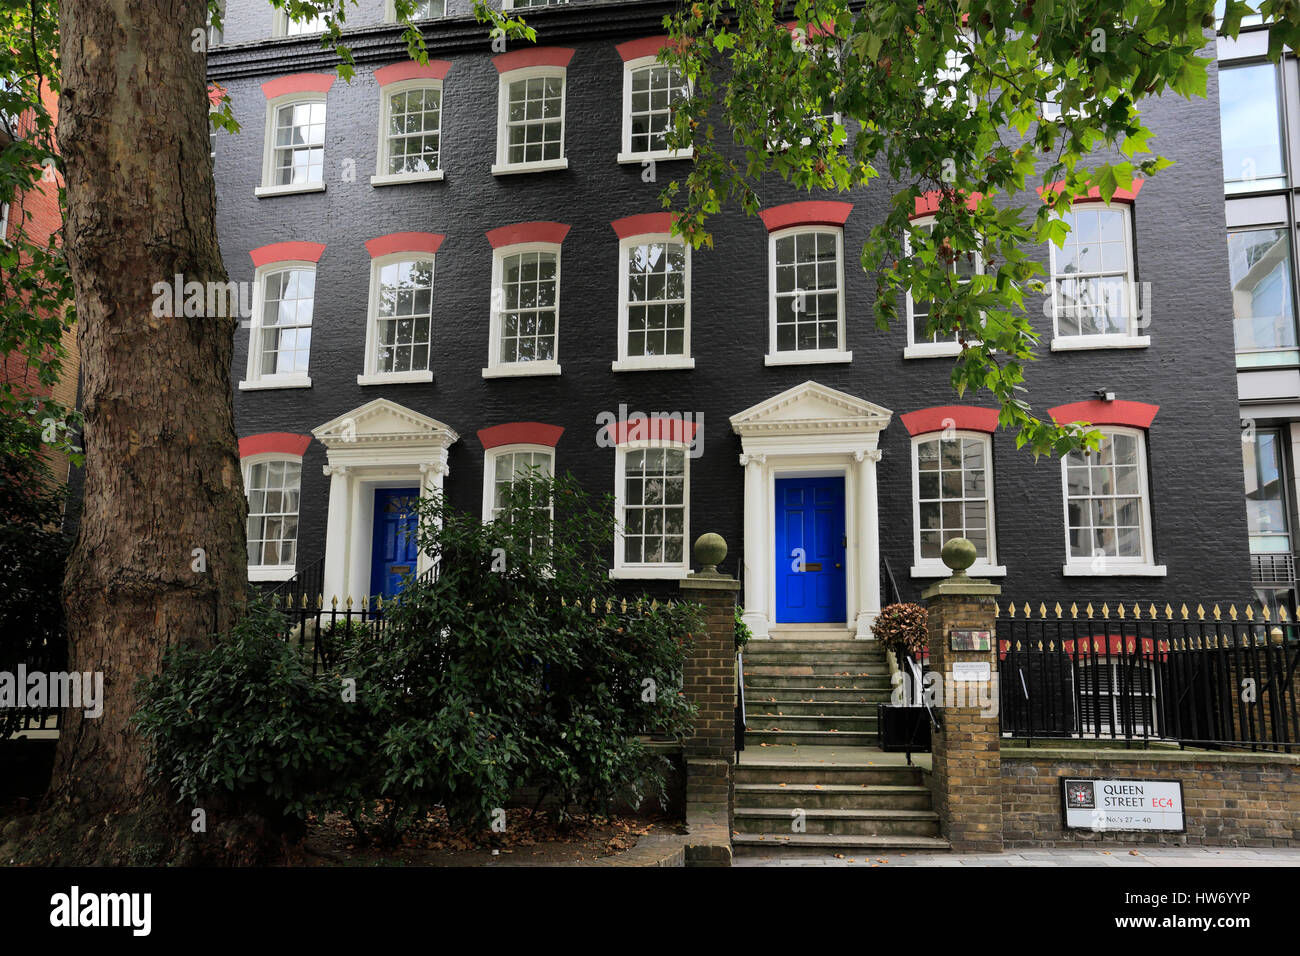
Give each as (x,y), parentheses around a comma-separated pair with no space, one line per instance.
(1188,370)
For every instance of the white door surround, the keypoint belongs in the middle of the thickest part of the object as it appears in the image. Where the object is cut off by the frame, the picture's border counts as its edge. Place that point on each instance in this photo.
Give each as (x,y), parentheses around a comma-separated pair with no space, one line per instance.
(806,431)
(379,445)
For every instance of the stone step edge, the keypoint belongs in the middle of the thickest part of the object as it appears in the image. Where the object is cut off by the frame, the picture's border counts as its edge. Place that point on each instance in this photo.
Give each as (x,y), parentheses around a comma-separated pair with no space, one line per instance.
(835,813)
(837,840)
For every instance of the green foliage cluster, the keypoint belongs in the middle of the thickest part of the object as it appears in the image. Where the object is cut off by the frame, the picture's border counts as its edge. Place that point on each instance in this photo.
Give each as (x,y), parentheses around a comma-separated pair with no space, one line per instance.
(513,667)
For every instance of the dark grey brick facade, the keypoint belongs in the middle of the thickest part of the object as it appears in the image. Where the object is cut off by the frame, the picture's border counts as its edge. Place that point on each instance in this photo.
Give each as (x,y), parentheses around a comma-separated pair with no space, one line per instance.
(1188,370)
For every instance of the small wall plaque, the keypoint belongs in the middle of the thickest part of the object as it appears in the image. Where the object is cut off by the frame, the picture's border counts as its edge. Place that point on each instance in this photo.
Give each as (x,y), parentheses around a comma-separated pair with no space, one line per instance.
(963,639)
(971,672)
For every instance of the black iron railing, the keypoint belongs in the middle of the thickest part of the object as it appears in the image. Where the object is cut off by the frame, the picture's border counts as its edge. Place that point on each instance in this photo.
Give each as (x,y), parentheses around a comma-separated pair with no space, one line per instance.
(1204,683)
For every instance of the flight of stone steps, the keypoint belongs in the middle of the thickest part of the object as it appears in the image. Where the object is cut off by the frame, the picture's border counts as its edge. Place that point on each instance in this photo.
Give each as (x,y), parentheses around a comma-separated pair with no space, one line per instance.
(810,699)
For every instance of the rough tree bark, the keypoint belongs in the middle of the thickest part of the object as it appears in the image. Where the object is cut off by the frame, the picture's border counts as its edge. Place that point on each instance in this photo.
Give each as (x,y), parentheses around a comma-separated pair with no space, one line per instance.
(162,465)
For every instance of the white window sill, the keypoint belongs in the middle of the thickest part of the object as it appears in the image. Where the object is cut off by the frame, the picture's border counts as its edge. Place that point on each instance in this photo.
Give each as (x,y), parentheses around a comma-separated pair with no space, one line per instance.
(522,370)
(932,350)
(649,573)
(658,156)
(1110,569)
(395,179)
(542,166)
(269,572)
(395,378)
(667,362)
(976,570)
(262,192)
(809,357)
(271,381)
(1068,343)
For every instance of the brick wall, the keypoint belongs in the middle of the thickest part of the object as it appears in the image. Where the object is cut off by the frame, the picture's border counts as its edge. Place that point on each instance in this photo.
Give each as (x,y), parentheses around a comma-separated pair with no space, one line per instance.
(1228,799)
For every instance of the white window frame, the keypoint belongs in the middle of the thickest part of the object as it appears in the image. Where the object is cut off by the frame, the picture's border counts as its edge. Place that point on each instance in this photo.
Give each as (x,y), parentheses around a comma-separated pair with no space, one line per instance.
(390,13)
(372,375)
(382,177)
(807,356)
(626,153)
(273,106)
(280,28)
(503,167)
(1143,566)
(495,367)
(934,567)
(1123,340)
(638,363)
(490,470)
(622,569)
(511,5)
(273,572)
(915,349)
(4,223)
(254,379)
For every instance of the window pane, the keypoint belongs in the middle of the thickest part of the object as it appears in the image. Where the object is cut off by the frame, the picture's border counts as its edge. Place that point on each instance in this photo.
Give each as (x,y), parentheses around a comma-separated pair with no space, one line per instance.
(953,494)
(1266,503)
(1251,127)
(807,292)
(528,318)
(1259,267)
(403,324)
(1105,513)
(654,506)
(273,493)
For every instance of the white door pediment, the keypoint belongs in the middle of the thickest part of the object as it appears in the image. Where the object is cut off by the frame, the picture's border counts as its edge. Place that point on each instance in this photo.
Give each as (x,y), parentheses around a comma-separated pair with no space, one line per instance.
(383,421)
(811,408)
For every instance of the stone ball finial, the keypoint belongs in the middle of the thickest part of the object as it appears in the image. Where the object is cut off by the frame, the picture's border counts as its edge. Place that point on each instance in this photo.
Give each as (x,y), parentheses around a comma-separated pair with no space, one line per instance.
(958,554)
(710,549)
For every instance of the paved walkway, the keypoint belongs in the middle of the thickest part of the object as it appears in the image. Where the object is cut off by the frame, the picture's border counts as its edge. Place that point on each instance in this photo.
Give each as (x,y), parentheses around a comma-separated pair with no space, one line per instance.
(1074,856)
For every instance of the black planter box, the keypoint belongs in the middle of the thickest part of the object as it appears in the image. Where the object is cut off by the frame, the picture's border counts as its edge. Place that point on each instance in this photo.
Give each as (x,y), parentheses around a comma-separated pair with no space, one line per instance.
(903,729)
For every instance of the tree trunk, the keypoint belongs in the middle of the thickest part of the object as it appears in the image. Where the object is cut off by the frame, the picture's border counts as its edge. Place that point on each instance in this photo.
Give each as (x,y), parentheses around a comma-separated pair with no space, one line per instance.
(162,465)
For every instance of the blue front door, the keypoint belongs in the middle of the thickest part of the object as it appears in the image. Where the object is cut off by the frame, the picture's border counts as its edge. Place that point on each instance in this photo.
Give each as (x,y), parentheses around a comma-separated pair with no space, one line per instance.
(393,552)
(810,546)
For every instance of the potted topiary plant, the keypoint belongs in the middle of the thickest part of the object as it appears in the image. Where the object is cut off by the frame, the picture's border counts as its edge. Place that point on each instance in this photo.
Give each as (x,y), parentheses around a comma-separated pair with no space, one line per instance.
(903,629)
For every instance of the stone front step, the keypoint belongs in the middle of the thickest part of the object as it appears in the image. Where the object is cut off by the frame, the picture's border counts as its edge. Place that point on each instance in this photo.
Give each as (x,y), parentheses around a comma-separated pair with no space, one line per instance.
(777,821)
(852,671)
(809,632)
(803,708)
(810,738)
(765,694)
(831,795)
(789,722)
(816,682)
(814,645)
(757,767)
(746,843)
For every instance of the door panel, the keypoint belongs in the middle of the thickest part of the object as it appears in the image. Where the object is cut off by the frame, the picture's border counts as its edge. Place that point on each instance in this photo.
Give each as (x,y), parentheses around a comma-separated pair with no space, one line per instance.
(394,552)
(810,546)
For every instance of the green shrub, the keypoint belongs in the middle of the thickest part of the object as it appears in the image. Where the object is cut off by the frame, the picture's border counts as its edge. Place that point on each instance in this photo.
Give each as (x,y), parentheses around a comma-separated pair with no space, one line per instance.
(512,667)
(247,720)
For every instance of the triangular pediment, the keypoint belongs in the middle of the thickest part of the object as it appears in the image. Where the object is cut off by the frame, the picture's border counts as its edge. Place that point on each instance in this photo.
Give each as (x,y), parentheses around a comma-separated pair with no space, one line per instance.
(811,408)
(385,421)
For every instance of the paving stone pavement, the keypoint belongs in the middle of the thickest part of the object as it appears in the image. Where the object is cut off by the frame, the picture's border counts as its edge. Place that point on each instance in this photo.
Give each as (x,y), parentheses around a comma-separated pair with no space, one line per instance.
(1072,856)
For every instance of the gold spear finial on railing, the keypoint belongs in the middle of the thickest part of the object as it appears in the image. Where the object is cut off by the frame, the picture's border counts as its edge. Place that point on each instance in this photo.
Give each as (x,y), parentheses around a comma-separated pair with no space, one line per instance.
(1074,610)
(1169,612)
(1232,611)
(349,602)
(1120,610)
(1137,611)
(365,602)
(1250,613)
(1058,610)
(1264,612)
(1088,610)
(1216,612)
(334,602)
(379,602)
(1105,611)
(1011,609)
(624,605)
(1183,610)
(1028,612)
(1281,613)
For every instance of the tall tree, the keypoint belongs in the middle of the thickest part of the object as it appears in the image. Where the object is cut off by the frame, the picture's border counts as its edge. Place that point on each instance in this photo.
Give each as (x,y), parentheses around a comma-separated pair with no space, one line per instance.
(160,554)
